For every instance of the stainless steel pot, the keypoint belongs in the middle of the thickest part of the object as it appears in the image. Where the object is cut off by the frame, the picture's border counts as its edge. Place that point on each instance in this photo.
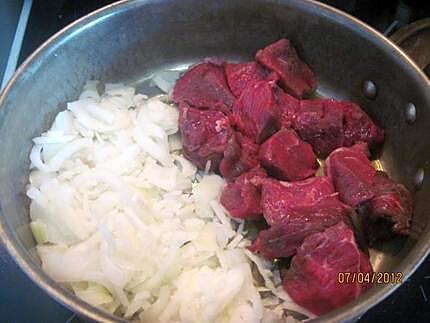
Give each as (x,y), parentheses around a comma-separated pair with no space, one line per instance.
(128,40)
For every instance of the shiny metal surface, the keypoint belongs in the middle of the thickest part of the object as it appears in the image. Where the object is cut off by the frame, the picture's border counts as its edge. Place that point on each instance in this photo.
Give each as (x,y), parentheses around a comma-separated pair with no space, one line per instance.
(410,113)
(419,178)
(129,40)
(369,89)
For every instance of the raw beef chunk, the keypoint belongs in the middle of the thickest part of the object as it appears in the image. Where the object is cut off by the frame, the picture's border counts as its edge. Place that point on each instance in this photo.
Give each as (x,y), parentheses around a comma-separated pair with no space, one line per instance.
(205,135)
(390,211)
(388,206)
(283,200)
(204,86)
(255,176)
(287,157)
(240,155)
(359,127)
(256,111)
(328,124)
(289,107)
(312,280)
(296,77)
(242,75)
(284,237)
(320,123)
(242,198)
(352,174)
(294,211)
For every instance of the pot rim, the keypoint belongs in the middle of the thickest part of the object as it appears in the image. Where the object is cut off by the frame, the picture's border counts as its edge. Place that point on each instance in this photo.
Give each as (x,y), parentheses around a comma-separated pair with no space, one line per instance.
(21,256)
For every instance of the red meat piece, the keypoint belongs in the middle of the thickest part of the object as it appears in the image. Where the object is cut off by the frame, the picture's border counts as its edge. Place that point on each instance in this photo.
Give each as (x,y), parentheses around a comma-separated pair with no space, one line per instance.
(205,135)
(255,176)
(287,157)
(328,124)
(352,174)
(242,200)
(359,127)
(296,77)
(390,211)
(241,75)
(284,237)
(283,200)
(204,86)
(256,112)
(312,280)
(240,155)
(289,107)
(320,123)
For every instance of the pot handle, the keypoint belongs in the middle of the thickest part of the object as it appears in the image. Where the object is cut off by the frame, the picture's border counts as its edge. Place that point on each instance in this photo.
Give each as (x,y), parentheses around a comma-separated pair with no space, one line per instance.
(414,39)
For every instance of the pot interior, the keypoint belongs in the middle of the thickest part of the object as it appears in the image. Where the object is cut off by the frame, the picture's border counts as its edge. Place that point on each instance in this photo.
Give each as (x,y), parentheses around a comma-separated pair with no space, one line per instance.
(127,43)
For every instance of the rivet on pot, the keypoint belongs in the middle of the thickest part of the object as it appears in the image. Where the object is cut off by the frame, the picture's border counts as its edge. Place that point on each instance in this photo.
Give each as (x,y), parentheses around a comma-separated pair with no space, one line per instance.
(419,178)
(410,113)
(369,89)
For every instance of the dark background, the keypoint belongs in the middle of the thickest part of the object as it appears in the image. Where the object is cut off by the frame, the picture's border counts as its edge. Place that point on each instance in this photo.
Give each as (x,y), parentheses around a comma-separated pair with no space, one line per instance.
(22,301)
(9,13)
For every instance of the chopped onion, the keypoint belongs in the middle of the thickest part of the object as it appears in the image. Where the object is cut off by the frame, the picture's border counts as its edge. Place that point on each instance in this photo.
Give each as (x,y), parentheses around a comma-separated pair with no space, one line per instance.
(131,226)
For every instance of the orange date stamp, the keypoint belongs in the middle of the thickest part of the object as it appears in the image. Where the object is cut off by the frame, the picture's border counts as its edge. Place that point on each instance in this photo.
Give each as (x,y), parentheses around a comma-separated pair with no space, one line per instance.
(378,278)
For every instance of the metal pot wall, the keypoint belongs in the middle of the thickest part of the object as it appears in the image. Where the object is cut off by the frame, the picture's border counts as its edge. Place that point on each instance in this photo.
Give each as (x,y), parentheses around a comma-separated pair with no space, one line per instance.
(128,40)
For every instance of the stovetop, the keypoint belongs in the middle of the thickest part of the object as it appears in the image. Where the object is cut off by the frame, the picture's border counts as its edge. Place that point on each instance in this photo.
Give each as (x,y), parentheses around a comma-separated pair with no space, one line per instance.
(23,301)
